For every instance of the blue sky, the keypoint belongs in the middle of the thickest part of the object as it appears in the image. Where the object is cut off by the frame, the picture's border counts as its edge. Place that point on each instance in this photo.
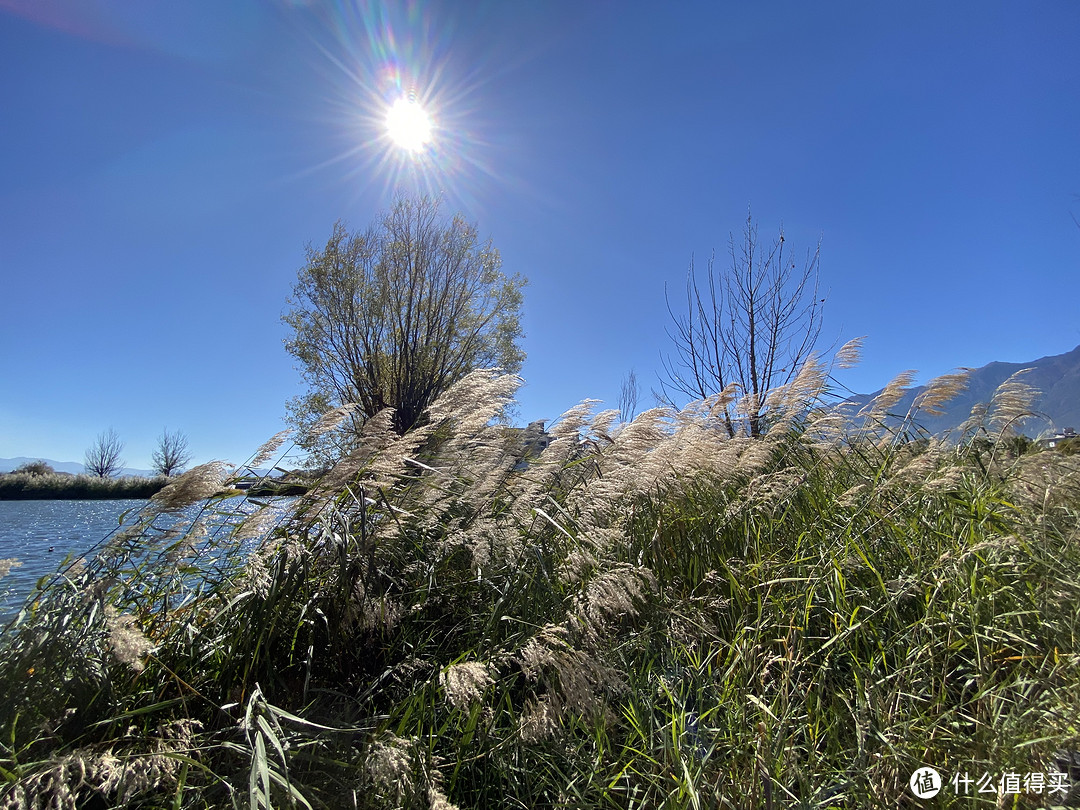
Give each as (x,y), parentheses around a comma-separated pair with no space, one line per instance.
(163,165)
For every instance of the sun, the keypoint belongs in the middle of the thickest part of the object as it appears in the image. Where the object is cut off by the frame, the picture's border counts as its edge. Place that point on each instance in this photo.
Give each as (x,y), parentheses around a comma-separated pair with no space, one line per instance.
(408,125)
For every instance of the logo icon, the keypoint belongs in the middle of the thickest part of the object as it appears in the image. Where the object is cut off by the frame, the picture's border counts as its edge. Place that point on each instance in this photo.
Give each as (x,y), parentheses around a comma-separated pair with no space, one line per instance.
(925,783)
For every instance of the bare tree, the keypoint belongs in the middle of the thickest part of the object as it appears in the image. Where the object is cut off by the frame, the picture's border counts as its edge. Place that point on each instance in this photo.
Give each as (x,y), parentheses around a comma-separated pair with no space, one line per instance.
(750,327)
(391,317)
(103,456)
(172,453)
(628,397)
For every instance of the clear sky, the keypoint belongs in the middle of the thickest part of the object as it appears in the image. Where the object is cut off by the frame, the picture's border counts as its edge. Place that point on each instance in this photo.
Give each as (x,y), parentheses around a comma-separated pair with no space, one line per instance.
(163,165)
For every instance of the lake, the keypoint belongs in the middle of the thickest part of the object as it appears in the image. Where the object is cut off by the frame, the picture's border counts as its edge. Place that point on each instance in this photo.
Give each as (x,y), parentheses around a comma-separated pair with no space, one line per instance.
(40,533)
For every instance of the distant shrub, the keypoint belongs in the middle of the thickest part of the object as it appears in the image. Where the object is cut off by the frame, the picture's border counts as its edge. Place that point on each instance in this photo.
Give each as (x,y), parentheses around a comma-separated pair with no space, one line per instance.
(23,485)
(36,468)
(1017,446)
(1069,447)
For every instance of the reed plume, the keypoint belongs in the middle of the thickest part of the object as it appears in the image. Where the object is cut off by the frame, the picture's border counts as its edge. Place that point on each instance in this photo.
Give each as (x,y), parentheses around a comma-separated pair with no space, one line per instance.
(634,614)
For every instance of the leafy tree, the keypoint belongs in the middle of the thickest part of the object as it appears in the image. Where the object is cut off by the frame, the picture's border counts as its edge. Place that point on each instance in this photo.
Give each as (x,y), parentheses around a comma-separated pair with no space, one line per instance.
(751,327)
(172,453)
(392,316)
(103,456)
(38,467)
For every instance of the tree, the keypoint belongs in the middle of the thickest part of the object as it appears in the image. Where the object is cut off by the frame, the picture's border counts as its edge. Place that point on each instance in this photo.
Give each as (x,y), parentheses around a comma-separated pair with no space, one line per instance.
(628,397)
(751,327)
(391,317)
(172,453)
(38,467)
(103,457)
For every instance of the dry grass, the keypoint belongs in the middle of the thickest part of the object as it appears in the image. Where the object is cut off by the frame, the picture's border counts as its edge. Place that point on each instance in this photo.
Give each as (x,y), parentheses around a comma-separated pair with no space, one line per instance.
(27,486)
(646,614)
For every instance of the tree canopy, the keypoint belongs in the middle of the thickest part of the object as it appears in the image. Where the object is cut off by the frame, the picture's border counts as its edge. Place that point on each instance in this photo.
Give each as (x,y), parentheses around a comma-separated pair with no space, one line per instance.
(392,316)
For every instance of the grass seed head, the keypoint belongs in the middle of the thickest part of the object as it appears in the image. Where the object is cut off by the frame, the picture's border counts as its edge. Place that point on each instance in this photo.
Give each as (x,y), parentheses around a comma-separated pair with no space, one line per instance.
(126,640)
(390,766)
(269,447)
(197,484)
(465,683)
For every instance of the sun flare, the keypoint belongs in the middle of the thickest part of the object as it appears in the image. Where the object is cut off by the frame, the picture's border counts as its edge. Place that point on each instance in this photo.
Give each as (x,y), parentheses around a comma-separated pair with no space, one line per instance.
(408,125)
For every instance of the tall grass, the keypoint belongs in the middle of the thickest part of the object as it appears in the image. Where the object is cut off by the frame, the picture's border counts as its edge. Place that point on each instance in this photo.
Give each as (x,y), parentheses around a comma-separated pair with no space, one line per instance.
(31,486)
(647,615)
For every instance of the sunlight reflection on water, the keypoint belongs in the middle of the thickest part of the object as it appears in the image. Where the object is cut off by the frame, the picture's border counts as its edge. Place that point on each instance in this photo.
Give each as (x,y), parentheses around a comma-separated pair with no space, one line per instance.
(41,533)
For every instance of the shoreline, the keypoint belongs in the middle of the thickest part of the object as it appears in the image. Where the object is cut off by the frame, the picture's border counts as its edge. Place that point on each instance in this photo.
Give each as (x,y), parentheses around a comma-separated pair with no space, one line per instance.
(55,486)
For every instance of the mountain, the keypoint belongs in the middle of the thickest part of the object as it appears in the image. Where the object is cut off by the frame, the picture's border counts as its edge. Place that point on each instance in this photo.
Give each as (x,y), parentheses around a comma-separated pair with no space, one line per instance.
(9,464)
(1056,377)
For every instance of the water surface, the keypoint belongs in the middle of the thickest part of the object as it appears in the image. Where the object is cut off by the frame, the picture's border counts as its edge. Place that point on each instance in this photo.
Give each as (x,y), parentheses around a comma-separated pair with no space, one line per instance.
(40,533)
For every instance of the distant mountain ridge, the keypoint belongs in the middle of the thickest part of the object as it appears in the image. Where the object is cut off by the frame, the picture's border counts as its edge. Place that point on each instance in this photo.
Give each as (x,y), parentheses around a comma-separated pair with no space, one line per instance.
(1057,378)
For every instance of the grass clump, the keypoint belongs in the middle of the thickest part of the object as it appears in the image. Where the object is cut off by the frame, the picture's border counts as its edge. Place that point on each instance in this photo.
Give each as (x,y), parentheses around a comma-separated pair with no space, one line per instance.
(31,485)
(648,614)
